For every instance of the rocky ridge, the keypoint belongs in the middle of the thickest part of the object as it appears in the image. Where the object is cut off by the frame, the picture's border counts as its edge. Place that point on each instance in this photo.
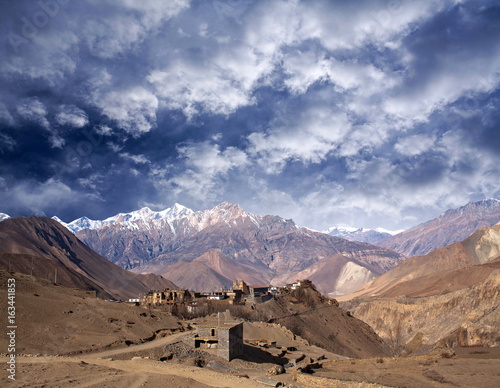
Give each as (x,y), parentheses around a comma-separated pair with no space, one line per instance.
(452,226)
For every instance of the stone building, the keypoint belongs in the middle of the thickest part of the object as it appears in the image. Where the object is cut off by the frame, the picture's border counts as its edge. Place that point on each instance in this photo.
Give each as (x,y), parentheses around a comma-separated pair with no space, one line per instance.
(224,338)
(241,286)
(155,298)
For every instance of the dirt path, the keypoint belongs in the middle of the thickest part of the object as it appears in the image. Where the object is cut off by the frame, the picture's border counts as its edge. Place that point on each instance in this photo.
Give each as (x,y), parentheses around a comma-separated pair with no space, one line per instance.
(170,339)
(136,373)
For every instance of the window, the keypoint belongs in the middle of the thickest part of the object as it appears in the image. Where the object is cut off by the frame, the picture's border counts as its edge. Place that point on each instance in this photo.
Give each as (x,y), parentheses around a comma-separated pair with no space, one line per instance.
(212,332)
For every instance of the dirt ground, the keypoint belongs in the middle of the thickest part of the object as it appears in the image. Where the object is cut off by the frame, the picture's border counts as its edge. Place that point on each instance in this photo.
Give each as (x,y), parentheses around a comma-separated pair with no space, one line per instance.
(470,367)
(67,338)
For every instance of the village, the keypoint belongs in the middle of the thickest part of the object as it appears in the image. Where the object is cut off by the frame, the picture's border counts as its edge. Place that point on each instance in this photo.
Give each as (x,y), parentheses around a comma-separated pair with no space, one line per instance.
(240,294)
(222,334)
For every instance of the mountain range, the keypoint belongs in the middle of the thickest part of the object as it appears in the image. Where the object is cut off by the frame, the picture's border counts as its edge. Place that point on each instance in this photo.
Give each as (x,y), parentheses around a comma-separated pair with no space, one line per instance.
(210,248)
(258,249)
(452,226)
(42,247)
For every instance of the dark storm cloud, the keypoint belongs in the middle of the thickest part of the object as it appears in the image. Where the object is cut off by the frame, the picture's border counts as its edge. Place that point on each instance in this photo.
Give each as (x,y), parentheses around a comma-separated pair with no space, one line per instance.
(370,113)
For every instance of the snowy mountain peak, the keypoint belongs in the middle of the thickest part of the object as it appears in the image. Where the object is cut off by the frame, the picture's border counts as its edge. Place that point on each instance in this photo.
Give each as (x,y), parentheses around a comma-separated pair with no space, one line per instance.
(391,232)
(342,230)
(175,212)
(82,223)
(3,216)
(55,218)
(360,234)
(130,220)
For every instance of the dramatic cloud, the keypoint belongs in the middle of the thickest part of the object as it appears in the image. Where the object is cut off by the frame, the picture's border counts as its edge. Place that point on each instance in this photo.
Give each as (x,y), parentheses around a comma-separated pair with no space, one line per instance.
(368,113)
(205,170)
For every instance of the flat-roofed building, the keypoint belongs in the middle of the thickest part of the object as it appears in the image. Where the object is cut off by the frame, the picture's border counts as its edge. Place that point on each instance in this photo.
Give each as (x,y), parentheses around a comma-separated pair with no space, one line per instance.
(223,338)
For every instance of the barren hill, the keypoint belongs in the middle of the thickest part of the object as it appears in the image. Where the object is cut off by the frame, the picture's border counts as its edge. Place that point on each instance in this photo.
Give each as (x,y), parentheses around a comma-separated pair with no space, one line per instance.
(452,226)
(450,295)
(306,313)
(59,320)
(480,248)
(39,245)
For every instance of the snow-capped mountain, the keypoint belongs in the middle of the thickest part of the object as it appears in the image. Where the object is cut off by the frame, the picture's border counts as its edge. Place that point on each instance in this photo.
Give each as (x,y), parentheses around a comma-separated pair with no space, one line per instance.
(3,216)
(360,234)
(130,220)
(234,244)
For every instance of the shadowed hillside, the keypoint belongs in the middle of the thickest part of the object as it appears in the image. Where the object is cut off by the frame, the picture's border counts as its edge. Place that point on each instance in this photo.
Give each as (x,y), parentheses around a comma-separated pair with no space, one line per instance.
(40,245)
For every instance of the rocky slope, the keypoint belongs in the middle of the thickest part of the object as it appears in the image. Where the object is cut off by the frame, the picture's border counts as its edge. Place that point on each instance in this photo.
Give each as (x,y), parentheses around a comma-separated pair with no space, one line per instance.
(465,317)
(481,247)
(307,313)
(39,245)
(266,249)
(450,296)
(452,226)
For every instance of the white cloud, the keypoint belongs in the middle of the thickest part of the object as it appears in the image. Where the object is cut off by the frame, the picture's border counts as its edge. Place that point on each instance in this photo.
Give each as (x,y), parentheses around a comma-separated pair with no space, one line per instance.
(414,145)
(34,110)
(351,25)
(103,130)
(205,168)
(129,24)
(71,116)
(37,196)
(139,159)
(305,68)
(315,134)
(203,30)
(133,110)
(6,143)
(5,115)
(51,57)
(195,89)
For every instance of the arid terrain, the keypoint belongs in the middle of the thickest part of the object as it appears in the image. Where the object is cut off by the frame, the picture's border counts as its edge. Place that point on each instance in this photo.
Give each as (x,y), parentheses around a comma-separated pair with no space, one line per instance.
(430,321)
(448,297)
(68,338)
(40,246)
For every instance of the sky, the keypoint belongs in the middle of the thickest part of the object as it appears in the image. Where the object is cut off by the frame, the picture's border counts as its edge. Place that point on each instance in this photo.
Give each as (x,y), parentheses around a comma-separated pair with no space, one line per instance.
(332,113)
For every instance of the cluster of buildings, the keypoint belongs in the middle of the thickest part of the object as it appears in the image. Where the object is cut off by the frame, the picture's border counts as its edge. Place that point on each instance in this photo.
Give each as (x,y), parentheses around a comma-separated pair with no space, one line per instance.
(223,336)
(240,293)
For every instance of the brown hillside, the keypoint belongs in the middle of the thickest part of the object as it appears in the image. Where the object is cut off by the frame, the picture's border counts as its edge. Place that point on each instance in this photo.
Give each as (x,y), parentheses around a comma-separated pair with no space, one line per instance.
(481,247)
(211,272)
(450,296)
(306,313)
(58,320)
(40,244)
